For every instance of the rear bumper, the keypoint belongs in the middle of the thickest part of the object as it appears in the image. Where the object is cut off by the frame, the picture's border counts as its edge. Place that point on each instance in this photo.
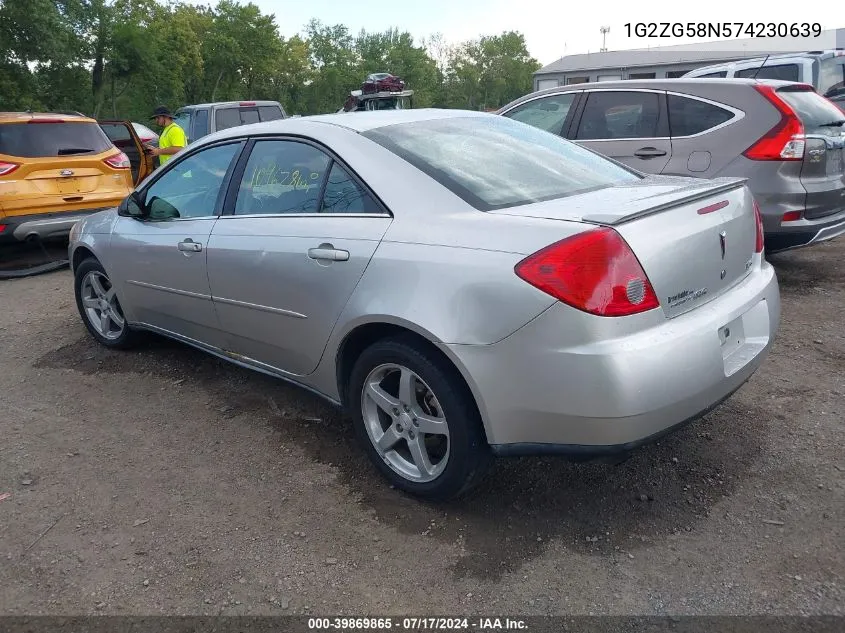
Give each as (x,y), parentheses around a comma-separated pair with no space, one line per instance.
(804,233)
(41,225)
(543,391)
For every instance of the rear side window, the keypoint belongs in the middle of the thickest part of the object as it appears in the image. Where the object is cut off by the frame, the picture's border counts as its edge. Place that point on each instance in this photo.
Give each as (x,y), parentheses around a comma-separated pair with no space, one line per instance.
(36,140)
(547,113)
(691,116)
(615,115)
(816,113)
(784,72)
(225,118)
(492,162)
(719,75)
(270,113)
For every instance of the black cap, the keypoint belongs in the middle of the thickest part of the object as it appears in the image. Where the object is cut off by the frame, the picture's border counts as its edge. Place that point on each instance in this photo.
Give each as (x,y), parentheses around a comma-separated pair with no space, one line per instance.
(162,111)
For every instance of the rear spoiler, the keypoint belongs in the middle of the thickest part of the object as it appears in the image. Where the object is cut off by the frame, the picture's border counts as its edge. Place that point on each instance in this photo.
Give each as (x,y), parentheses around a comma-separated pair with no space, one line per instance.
(698,192)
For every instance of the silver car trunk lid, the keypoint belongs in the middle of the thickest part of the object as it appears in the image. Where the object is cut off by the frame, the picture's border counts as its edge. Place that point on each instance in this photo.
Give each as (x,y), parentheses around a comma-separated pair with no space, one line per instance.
(694,239)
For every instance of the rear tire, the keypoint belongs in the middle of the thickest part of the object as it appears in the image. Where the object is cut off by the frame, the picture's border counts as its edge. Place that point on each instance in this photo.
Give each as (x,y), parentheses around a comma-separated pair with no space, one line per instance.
(99,307)
(417,420)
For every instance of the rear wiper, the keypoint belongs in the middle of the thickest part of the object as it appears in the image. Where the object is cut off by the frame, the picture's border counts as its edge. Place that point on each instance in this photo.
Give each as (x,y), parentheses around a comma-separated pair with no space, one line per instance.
(73,150)
(833,124)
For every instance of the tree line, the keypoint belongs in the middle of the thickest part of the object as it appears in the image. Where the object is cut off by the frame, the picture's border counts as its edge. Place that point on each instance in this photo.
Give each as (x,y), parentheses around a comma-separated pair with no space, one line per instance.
(121,58)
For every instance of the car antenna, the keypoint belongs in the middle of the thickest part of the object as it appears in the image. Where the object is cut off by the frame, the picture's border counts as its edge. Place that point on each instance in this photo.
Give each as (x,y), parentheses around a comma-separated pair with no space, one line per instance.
(761,65)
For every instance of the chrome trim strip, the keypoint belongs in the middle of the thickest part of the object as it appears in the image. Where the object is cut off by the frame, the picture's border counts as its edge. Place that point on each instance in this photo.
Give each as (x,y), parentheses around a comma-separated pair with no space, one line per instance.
(176,291)
(305,215)
(258,306)
(237,359)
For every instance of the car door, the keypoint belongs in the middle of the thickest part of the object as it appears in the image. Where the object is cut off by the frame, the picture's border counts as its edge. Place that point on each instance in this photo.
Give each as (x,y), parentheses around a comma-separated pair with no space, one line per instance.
(126,139)
(630,126)
(161,255)
(298,232)
(551,113)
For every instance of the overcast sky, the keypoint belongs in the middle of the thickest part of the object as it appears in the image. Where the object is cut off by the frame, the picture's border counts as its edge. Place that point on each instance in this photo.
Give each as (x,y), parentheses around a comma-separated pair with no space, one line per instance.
(552,27)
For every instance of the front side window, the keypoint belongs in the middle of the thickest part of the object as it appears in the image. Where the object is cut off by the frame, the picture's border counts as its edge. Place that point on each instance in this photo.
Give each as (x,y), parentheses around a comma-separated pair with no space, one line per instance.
(691,116)
(200,126)
(492,162)
(282,177)
(183,120)
(618,115)
(190,188)
(547,113)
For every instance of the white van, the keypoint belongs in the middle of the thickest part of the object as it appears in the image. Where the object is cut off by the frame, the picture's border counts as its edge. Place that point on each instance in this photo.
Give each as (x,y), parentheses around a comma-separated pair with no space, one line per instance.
(824,70)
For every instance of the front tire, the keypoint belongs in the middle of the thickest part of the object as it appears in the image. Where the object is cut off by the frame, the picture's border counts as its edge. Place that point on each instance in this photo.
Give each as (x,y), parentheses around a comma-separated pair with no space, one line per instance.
(417,420)
(99,307)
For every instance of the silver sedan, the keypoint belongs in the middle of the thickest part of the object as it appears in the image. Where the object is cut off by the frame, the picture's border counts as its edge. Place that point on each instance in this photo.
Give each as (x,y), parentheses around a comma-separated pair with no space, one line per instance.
(464,285)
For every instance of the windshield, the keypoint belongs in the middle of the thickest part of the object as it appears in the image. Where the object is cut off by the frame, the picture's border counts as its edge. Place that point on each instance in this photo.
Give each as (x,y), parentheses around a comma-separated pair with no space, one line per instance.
(815,112)
(493,162)
(34,140)
(832,76)
(183,120)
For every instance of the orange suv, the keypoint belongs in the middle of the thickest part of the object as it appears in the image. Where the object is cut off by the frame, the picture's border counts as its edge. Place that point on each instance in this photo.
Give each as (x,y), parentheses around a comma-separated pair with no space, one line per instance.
(57,168)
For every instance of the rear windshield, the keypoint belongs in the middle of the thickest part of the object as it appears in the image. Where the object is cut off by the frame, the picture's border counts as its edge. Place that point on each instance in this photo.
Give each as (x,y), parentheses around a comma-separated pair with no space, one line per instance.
(832,77)
(493,162)
(815,112)
(37,140)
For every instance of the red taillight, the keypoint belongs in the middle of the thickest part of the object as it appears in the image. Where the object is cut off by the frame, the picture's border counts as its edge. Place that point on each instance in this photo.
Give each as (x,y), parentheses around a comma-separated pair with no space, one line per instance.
(118,161)
(46,121)
(247,103)
(146,140)
(7,168)
(3,227)
(792,216)
(596,272)
(785,141)
(758,218)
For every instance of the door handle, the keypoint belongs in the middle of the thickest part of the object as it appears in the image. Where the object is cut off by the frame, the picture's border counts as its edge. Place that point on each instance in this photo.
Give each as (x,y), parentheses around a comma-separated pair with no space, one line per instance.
(190,246)
(649,152)
(328,252)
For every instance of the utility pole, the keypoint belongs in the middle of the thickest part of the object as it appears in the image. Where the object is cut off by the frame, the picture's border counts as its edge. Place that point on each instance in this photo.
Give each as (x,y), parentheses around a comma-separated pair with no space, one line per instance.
(604,31)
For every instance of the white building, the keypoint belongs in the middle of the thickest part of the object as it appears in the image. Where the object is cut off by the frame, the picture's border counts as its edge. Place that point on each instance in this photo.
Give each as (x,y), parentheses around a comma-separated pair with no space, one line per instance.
(673,61)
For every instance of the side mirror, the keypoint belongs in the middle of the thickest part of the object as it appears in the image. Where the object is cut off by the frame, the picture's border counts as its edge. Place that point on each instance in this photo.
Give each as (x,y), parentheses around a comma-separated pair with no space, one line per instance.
(131,207)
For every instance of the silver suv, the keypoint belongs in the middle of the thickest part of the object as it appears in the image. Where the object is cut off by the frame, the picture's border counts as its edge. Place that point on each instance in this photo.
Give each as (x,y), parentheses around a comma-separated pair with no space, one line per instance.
(824,70)
(785,138)
(206,118)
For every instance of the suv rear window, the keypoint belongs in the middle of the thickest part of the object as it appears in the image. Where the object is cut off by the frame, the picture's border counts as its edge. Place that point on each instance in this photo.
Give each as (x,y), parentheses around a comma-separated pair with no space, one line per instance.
(815,112)
(832,77)
(492,162)
(41,140)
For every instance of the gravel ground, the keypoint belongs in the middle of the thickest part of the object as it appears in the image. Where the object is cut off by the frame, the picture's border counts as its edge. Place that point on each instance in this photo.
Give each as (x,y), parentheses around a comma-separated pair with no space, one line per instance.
(164,481)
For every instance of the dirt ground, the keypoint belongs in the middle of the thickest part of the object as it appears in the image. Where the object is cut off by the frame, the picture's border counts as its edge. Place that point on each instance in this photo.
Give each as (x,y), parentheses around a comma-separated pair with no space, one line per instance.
(164,481)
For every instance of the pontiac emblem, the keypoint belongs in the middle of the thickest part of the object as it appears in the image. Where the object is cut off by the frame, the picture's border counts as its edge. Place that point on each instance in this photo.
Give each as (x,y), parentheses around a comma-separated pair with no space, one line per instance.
(723,237)
(66,172)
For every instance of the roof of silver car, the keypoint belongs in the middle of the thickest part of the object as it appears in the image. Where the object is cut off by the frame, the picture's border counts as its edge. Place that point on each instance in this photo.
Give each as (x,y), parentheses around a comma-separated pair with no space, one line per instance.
(680,83)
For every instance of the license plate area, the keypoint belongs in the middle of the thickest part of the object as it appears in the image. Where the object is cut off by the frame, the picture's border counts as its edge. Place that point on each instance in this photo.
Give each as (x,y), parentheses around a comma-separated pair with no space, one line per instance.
(68,185)
(744,338)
